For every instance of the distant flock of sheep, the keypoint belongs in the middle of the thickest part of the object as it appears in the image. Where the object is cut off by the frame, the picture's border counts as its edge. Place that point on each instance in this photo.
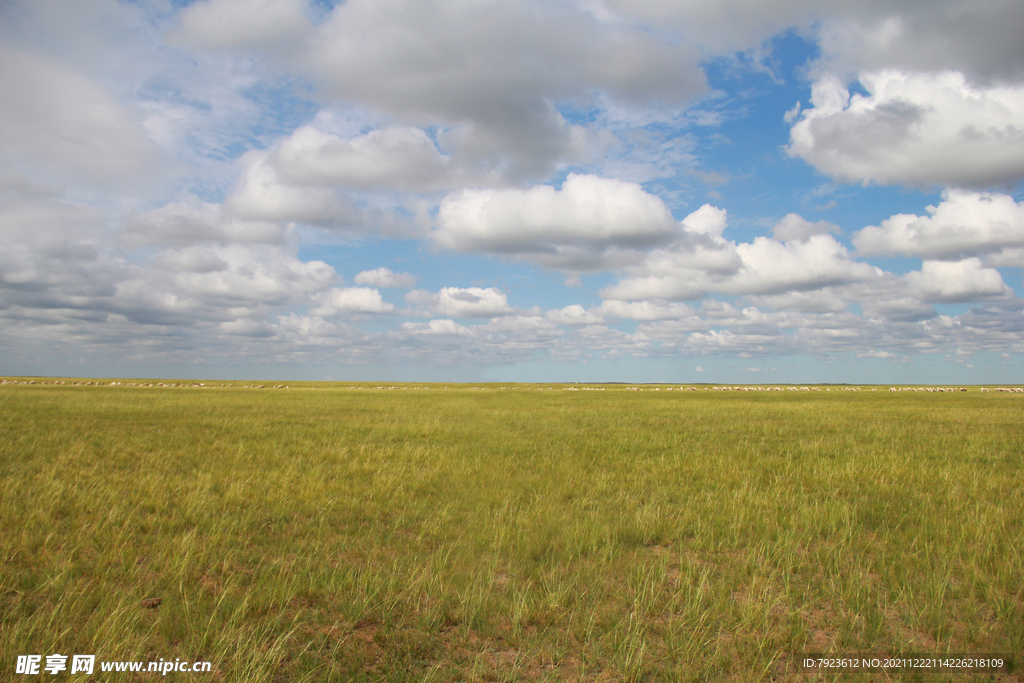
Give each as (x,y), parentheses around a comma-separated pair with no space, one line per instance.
(143,384)
(940,390)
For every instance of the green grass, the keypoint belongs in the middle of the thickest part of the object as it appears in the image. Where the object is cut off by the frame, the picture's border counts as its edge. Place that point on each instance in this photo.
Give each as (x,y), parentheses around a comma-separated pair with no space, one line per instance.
(325,533)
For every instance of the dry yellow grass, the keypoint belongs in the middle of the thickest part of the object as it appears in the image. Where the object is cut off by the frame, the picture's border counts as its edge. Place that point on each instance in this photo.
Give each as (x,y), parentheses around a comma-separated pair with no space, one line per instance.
(326,533)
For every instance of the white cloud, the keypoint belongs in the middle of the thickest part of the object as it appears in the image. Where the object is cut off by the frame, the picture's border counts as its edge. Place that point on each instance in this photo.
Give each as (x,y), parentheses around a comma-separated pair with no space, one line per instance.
(530,328)
(682,285)
(574,315)
(916,129)
(472,302)
(889,297)
(819,301)
(246,328)
(816,262)
(351,300)
(645,310)
(31,212)
(242,23)
(301,339)
(62,123)
(262,195)
(725,25)
(957,282)
(421,297)
(384,277)
(395,158)
(52,254)
(1006,258)
(707,220)
(741,344)
(687,267)
(584,225)
(980,38)
(503,340)
(701,263)
(244,275)
(490,71)
(202,259)
(469,302)
(877,354)
(795,227)
(190,221)
(964,223)
(437,327)
(86,296)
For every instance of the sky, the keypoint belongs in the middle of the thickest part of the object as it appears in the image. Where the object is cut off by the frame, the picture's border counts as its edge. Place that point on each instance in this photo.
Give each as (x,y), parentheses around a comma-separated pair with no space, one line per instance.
(679,191)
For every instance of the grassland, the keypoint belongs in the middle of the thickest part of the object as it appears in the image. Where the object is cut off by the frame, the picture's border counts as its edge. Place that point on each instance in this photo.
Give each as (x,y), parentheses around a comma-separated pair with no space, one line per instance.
(327,533)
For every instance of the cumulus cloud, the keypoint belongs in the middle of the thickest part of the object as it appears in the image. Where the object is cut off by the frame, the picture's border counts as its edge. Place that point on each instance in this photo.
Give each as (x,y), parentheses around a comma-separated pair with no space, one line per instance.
(395,158)
(574,315)
(242,23)
(916,129)
(304,331)
(889,297)
(101,300)
(963,224)
(877,354)
(491,70)
(978,38)
(65,124)
(226,275)
(262,195)
(645,310)
(351,300)
(825,300)
(472,302)
(707,220)
(202,259)
(1006,258)
(584,225)
(682,286)
(189,221)
(31,212)
(529,328)
(957,282)
(719,328)
(247,328)
(702,262)
(796,227)
(52,254)
(771,267)
(384,277)
(437,327)
(458,302)
(504,340)
(730,25)
(981,39)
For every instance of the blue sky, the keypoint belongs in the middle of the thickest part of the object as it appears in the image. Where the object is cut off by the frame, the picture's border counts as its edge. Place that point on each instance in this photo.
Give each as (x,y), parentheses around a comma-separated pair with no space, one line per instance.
(457,190)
